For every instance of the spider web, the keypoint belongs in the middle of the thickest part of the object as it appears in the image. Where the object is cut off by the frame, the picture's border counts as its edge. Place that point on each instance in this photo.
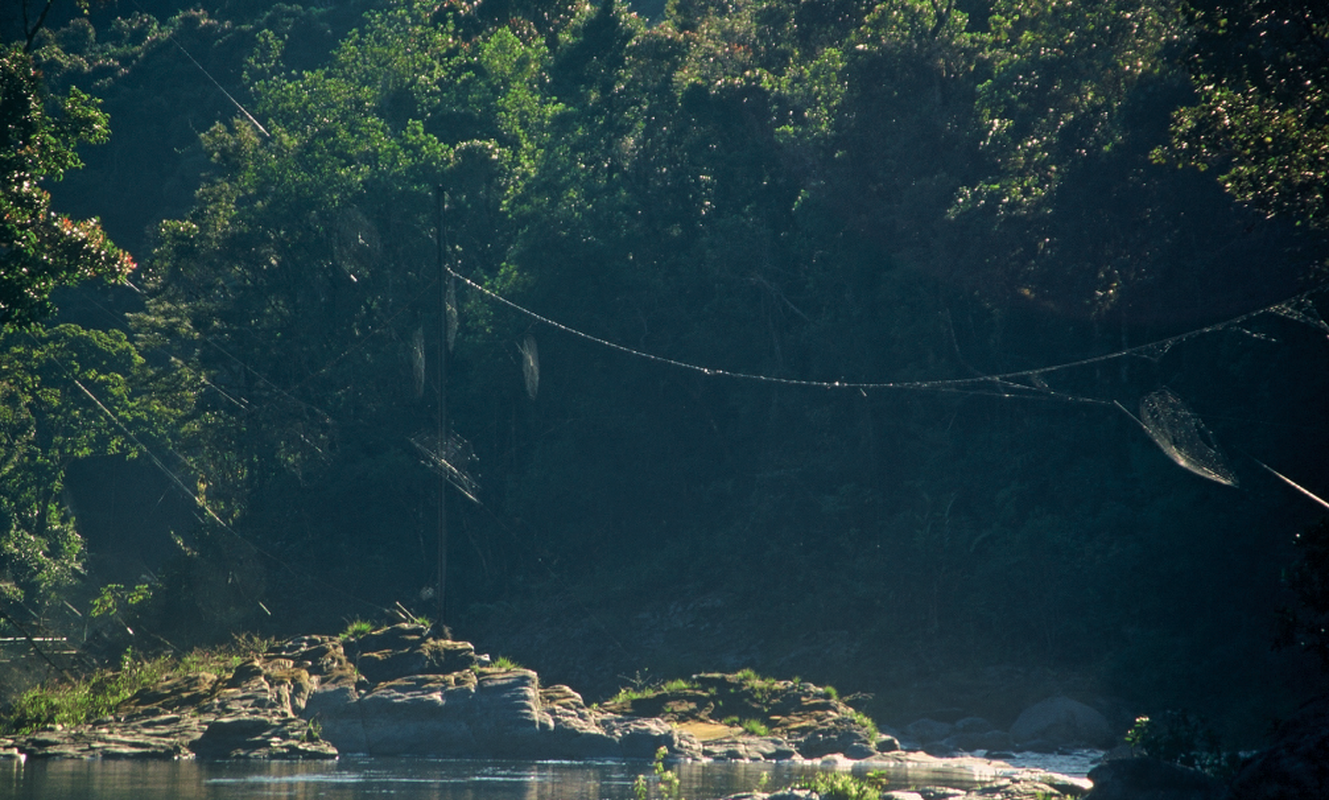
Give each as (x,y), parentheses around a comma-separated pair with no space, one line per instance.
(455,461)
(530,365)
(1182,435)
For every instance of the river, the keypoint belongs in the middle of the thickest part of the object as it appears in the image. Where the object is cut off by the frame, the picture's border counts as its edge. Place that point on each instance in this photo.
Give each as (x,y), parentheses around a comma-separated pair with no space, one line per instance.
(351,778)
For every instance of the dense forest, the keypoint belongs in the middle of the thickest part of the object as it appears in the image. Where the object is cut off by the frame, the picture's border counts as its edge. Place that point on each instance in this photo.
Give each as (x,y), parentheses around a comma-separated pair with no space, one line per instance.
(918,346)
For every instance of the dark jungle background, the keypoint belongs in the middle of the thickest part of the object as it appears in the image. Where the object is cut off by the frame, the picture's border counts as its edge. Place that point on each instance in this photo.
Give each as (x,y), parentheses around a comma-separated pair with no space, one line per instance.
(223,436)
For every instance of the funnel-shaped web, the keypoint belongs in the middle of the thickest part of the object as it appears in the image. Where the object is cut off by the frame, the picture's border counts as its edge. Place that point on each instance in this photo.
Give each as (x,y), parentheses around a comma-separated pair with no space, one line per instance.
(1183,436)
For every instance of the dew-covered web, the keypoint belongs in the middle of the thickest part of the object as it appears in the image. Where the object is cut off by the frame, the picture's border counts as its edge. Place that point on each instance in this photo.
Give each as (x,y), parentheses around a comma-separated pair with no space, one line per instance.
(1302,310)
(1183,436)
(456,462)
(530,365)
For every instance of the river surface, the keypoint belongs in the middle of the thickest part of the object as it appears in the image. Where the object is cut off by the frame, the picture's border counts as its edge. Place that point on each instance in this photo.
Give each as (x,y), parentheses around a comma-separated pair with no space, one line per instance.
(350,778)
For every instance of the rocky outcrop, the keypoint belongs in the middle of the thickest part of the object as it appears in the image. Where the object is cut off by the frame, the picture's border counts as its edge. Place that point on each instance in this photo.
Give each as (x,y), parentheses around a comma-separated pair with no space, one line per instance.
(396,691)
(399,691)
(1297,765)
(1151,779)
(744,717)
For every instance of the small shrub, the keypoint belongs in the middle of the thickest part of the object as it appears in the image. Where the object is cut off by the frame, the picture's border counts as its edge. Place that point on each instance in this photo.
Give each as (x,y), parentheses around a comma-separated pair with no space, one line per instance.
(1181,737)
(670,784)
(87,698)
(755,727)
(843,786)
(505,663)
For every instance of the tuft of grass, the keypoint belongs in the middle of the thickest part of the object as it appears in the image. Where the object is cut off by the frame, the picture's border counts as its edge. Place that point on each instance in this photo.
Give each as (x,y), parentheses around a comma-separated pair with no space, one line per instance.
(867,722)
(831,692)
(505,663)
(355,629)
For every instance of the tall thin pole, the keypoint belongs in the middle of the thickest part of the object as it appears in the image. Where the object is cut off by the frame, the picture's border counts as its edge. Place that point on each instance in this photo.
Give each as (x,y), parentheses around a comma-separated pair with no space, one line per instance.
(442,406)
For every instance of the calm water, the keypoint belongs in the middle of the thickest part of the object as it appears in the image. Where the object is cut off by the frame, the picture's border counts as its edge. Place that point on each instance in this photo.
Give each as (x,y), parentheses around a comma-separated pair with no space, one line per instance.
(351,778)
(348,778)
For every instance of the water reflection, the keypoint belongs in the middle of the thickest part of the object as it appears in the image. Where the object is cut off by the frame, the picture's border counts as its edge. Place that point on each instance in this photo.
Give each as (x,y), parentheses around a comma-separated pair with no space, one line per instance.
(352,779)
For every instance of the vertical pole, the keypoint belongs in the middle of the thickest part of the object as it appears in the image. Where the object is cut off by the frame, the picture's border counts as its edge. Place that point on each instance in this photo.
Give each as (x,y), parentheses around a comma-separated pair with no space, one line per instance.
(442,406)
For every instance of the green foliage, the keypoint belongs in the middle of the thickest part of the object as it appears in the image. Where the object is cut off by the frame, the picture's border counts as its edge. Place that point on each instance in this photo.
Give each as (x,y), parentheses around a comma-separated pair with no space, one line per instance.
(39,249)
(1182,737)
(68,394)
(506,664)
(844,786)
(1261,112)
(627,694)
(113,597)
(1053,100)
(100,692)
(86,699)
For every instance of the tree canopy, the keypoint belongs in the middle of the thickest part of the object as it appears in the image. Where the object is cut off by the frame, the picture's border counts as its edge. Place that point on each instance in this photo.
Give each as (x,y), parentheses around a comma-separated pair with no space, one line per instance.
(902,196)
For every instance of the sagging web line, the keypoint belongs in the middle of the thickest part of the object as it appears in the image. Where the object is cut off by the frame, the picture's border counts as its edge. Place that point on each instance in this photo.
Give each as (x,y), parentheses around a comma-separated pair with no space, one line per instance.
(1165,417)
(1013,384)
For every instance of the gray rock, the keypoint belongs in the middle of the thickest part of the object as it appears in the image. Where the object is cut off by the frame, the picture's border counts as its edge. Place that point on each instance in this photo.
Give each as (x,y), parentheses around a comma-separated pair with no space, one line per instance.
(1063,722)
(1150,779)
(988,740)
(749,748)
(973,725)
(928,730)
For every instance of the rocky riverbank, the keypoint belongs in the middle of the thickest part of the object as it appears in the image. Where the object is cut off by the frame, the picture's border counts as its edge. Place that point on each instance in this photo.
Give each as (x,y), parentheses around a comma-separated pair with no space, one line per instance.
(398,691)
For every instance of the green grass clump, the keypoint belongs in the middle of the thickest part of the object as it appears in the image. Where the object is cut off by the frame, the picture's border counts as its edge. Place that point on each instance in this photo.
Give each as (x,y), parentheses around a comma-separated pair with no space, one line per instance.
(355,629)
(505,663)
(867,722)
(629,693)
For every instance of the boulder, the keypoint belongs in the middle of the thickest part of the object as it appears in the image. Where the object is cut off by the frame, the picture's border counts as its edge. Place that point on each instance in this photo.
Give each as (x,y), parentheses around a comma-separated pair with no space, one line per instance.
(260,736)
(1150,779)
(1062,722)
(988,740)
(840,736)
(927,730)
